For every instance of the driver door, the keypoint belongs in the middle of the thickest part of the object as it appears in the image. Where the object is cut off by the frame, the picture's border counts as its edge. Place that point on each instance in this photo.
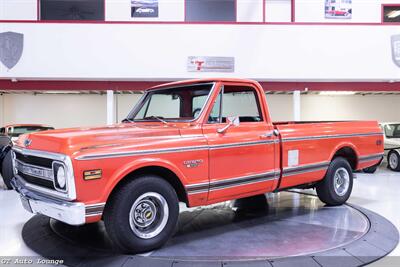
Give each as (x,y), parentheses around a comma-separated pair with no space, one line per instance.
(242,158)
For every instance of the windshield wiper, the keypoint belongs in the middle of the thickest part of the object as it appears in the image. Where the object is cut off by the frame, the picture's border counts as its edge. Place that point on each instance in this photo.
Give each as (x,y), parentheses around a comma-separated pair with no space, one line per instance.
(157,118)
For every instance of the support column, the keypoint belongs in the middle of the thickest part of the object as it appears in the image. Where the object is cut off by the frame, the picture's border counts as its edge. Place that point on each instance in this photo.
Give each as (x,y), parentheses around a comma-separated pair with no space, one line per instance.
(110,107)
(296,106)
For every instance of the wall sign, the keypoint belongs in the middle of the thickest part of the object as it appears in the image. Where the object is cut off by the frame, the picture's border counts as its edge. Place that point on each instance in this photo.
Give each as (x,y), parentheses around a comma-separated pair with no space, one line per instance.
(396,49)
(210,64)
(144,8)
(11,47)
(338,9)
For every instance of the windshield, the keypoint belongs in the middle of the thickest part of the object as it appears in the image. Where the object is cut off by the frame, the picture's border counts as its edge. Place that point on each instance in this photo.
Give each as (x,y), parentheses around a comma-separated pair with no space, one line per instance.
(17,131)
(183,103)
(392,130)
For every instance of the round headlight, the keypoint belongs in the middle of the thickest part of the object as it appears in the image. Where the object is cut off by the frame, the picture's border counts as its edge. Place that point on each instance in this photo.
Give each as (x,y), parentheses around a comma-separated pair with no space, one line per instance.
(61,179)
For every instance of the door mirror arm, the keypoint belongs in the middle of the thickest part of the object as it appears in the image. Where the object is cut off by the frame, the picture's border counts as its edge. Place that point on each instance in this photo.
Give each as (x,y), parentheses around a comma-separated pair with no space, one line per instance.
(232,121)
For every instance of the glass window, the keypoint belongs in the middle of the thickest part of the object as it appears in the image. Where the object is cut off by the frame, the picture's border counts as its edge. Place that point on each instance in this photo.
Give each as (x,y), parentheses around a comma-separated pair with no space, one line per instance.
(236,101)
(72,10)
(210,10)
(391,13)
(175,104)
(392,130)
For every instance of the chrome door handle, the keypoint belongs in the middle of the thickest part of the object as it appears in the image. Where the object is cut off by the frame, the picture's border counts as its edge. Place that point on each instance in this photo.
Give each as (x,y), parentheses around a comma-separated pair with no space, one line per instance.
(267,135)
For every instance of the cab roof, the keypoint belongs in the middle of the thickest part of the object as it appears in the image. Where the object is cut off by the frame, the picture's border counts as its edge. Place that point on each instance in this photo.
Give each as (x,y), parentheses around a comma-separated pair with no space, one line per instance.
(206,80)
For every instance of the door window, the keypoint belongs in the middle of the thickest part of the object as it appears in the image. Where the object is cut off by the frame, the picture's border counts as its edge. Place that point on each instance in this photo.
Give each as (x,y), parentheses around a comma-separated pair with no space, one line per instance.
(236,101)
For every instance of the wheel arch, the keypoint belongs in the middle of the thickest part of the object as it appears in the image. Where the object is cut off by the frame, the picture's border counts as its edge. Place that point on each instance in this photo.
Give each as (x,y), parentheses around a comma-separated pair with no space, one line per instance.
(164,171)
(349,152)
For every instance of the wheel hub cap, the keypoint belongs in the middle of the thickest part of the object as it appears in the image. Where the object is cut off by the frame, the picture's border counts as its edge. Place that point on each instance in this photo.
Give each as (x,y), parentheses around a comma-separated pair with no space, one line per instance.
(393,161)
(341,181)
(148,215)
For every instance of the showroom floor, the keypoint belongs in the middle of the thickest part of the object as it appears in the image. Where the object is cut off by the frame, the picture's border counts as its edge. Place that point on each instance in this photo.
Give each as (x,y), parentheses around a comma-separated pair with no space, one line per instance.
(378,192)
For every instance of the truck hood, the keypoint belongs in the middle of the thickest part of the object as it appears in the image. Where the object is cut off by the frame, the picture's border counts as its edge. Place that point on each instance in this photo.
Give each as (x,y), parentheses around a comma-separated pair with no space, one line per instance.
(68,141)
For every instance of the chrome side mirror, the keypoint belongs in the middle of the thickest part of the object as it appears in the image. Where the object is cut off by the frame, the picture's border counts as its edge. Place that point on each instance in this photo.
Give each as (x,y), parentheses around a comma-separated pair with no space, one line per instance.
(232,121)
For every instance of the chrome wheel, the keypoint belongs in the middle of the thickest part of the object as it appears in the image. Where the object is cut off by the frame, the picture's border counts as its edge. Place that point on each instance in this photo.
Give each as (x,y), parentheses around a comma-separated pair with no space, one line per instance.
(341,181)
(393,161)
(148,215)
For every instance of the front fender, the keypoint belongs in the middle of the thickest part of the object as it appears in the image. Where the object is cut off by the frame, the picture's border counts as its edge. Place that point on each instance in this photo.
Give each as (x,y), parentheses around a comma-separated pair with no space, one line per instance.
(130,167)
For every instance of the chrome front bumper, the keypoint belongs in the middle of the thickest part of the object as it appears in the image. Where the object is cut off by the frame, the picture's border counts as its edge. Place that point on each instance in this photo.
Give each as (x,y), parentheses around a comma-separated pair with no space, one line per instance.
(72,213)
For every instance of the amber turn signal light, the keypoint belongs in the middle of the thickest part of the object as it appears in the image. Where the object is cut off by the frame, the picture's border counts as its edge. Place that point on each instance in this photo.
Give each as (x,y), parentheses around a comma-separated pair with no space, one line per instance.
(91,175)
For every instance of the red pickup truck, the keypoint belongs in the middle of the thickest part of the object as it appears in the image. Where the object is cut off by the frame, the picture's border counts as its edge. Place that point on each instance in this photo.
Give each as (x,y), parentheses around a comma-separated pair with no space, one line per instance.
(198,142)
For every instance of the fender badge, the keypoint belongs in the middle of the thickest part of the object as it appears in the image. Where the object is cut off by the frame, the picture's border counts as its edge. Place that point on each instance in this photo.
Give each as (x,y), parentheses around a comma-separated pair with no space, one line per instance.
(192,163)
(27,142)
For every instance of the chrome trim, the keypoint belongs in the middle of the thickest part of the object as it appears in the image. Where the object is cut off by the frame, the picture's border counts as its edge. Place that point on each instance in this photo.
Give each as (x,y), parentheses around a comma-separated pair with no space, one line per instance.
(231,182)
(55,178)
(71,194)
(305,138)
(72,213)
(141,152)
(253,143)
(23,164)
(172,150)
(305,168)
(371,157)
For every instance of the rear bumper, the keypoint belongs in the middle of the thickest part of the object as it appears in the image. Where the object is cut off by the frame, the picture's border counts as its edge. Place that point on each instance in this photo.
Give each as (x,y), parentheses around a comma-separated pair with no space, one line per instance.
(72,213)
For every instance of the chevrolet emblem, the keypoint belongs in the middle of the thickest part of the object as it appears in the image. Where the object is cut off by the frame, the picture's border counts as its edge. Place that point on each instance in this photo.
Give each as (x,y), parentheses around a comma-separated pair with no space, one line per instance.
(27,142)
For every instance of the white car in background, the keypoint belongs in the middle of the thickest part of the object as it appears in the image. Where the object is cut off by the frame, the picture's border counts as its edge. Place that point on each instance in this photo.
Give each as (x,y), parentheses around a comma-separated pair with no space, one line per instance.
(392,144)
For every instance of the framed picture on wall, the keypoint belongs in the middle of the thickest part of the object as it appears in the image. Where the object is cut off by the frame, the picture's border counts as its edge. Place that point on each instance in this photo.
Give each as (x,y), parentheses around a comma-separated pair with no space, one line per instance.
(338,9)
(144,8)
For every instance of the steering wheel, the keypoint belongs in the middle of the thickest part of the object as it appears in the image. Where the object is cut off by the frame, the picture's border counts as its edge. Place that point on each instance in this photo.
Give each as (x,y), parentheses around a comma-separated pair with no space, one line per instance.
(196,112)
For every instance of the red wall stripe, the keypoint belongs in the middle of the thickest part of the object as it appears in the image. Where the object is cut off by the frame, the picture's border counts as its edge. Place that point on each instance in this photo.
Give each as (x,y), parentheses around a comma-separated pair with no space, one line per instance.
(141,85)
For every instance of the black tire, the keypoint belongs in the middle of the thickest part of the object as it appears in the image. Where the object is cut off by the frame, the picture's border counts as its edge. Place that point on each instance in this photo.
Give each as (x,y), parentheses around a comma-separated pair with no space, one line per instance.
(326,188)
(394,164)
(118,208)
(371,169)
(7,170)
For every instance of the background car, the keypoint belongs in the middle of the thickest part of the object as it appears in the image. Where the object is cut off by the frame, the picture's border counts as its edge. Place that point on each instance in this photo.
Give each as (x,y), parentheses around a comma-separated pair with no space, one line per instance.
(8,135)
(392,144)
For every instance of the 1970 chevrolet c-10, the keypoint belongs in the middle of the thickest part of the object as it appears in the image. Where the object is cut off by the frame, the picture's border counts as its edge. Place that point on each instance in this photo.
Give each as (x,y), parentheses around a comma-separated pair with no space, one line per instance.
(198,142)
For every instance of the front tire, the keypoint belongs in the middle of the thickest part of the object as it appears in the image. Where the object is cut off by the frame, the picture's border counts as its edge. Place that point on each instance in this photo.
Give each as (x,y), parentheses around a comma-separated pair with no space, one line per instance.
(142,215)
(7,170)
(394,160)
(336,187)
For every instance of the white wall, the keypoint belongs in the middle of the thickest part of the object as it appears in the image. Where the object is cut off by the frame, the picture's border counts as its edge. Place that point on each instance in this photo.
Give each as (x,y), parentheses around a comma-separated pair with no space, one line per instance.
(278,10)
(59,111)
(18,9)
(381,108)
(249,10)
(159,52)
(90,110)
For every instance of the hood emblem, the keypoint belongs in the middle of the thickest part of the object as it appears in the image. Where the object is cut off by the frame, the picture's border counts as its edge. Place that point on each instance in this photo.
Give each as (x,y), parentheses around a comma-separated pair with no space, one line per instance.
(27,142)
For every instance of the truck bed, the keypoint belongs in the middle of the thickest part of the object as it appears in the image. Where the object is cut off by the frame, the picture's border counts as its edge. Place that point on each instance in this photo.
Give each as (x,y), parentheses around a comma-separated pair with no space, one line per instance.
(309,145)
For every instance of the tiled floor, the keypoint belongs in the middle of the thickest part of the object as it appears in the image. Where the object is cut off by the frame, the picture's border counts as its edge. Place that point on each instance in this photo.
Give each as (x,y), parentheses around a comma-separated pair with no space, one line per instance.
(378,192)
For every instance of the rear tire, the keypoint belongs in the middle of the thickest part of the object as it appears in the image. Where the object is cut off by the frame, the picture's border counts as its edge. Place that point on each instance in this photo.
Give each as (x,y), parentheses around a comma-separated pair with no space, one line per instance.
(142,215)
(336,187)
(7,170)
(394,160)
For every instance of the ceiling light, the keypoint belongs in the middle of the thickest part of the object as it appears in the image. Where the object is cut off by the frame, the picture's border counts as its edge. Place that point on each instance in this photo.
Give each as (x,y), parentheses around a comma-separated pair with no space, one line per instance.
(333,93)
